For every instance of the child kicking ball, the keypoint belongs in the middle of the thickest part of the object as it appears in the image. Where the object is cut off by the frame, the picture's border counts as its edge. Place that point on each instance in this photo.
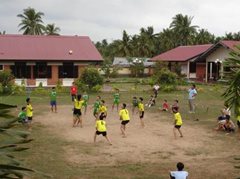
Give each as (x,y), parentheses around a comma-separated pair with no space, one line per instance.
(101,128)
(177,122)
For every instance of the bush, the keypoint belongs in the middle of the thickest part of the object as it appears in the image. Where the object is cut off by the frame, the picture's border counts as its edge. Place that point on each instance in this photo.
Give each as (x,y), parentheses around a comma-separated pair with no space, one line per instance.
(81,86)
(6,79)
(168,88)
(165,77)
(91,77)
(19,89)
(96,88)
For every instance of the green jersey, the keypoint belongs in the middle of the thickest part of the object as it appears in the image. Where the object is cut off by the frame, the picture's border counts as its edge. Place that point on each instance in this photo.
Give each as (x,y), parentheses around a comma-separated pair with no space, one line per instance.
(85,98)
(22,116)
(96,105)
(53,96)
(116,96)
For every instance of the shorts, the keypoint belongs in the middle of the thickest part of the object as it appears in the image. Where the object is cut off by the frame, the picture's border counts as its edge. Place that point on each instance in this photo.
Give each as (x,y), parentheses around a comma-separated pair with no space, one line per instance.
(77,112)
(53,103)
(141,114)
(103,133)
(177,126)
(116,101)
(124,122)
(238,123)
(95,112)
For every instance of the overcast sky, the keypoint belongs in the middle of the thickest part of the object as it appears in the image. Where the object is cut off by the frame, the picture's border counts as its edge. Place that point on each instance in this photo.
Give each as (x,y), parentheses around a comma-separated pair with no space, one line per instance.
(106,19)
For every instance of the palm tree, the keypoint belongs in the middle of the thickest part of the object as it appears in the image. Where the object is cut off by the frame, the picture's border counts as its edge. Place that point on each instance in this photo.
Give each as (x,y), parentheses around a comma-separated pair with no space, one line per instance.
(232,94)
(181,25)
(31,22)
(3,32)
(51,29)
(124,45)
(203,37)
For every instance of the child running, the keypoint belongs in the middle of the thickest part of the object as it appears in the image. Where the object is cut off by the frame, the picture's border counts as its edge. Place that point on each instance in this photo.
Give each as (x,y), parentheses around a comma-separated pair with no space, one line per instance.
(53,100)
(96,106)
(134,104)
(177,123)
(116,99)
(29,112)
(85,104)
(101,128)
(77,114)
(141,111)
(103,108)
(124,117)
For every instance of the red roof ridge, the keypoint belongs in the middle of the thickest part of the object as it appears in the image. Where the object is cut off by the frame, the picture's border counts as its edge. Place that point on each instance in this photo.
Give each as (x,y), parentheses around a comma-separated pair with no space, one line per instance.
(44,36)
(195,45)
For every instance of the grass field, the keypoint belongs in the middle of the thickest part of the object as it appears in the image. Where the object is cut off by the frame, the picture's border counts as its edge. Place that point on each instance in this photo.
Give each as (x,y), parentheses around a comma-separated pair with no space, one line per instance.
(65,152)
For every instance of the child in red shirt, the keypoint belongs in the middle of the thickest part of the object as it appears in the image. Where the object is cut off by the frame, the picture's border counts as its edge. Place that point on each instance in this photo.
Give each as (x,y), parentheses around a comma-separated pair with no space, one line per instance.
(73,91)
(165,106)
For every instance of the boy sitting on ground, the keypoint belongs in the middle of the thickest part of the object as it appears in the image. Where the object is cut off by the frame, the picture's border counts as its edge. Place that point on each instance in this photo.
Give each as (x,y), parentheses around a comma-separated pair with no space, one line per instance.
(179,174)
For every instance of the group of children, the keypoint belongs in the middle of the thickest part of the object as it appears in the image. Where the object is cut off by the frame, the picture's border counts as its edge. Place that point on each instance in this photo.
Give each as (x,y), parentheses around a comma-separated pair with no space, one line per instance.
(26,115)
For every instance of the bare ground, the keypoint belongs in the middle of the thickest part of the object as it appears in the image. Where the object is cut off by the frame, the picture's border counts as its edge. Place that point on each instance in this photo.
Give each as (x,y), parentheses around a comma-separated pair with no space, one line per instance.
(205,153)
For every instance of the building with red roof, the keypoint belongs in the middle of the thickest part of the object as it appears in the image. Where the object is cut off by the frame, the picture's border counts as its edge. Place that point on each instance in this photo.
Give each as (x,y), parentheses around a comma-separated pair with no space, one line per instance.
(47,59)
(185,56)
(200,62)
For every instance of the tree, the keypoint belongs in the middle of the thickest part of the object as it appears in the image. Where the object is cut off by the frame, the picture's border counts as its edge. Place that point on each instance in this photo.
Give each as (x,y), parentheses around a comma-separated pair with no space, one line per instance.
(232,93)
(181,25)
(31,22)
(91,77)
(136,66)
(3,32)
(203,37)
(51,29)
(124,45)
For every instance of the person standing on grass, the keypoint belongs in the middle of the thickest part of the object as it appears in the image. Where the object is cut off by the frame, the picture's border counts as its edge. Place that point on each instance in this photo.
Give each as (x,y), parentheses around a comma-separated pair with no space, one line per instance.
(53,100)
(29,111)
(141,111)
(155,90)
(73,91)
(179,174)
(101,128)
(116,99)
(85,104)
(96,107)
(77,113)
(124,117)
(192,93)
(177,123)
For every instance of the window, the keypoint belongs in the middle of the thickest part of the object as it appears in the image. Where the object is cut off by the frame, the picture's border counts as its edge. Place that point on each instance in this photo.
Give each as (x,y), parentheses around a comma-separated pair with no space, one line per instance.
(21,70)
(68,70)
(192,67)
(41,70)
(1,67)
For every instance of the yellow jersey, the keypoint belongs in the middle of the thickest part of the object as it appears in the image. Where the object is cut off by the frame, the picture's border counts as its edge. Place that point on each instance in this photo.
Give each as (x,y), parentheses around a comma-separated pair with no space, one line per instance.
(124,115)
(101,126)
(29,110)
(78,104)
(103,109)
(238,118)
(178,119)
(140,106)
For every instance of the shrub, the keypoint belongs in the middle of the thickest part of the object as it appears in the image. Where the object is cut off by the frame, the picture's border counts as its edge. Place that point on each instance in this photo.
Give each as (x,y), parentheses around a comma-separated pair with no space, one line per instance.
(96,88)
(81,86)
(168,88)
(91,77)
(165,77)
(6,79)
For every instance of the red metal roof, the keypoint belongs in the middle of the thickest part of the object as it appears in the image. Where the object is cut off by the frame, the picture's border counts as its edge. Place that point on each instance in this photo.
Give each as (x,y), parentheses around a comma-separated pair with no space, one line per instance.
(182,53)
(229,43)
(31,47)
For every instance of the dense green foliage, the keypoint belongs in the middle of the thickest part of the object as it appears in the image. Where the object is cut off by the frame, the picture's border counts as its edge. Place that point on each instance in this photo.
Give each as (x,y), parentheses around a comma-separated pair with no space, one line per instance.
(6,81)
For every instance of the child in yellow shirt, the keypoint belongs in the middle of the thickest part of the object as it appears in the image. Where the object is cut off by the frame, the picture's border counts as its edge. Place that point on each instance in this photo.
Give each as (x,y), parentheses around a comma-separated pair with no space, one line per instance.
(177,122)
(101,128)
(141,111)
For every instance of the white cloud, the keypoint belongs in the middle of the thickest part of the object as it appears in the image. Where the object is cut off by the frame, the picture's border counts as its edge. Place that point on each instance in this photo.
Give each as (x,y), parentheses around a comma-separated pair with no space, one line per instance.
(101,19)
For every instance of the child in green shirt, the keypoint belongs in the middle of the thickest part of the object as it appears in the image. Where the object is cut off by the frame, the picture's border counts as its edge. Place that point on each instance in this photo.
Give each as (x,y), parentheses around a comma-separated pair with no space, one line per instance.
(53,100)
(116,99)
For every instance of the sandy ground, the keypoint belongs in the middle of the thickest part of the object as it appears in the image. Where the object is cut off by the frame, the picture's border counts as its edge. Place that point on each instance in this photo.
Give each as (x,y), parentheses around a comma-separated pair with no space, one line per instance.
(201,150)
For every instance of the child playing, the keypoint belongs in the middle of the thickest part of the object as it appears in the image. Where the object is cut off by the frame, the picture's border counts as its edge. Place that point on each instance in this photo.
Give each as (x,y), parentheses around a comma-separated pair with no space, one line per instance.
(134,103)
(179,174)
(85,104)
(29,112)
(53,100)
(77,114)
(103,108)
(151,102)
(229,126)
(101,128)
(96,106)
(73,91)
(165,106)
(175,104)
(22,116)
(124,117)
(116,99)
(177,122)
(141,110)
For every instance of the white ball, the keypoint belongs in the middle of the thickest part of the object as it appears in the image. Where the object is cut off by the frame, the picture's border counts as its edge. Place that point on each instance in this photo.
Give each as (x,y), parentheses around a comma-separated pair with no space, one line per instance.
(70,52)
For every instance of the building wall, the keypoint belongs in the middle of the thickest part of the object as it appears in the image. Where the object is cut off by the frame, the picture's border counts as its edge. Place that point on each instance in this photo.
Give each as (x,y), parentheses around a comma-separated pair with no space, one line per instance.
(201,71)
(221,53)
(184,68)
(54,79)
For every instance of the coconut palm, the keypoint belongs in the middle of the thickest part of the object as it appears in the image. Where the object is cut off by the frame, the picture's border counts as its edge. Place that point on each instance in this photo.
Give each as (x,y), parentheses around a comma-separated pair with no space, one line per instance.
(184,30)
(3,32)
(203,37)
(31,22)
(124,45)
(232,94)
(51,29)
